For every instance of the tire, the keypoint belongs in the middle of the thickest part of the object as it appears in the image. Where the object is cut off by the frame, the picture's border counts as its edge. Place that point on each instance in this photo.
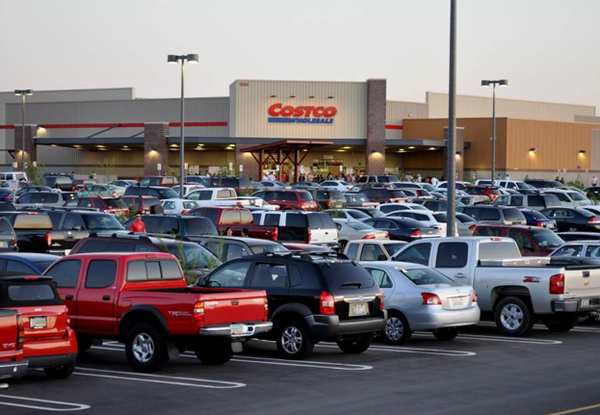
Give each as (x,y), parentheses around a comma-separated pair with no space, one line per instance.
(60,371)
(293,340)
(145,348)
(513,317)
(84,343)
(214,354)
(356,344)
(397,331)
(561,322)
(446,334)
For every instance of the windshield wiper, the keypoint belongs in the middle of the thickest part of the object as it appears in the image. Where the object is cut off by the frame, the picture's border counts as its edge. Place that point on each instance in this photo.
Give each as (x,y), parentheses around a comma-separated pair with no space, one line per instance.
(350,284)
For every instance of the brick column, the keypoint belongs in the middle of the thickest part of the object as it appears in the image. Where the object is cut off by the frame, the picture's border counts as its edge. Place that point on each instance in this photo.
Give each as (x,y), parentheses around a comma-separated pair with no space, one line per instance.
(156,149)
(460,153)
(376,106)
(246,160)
(30,148)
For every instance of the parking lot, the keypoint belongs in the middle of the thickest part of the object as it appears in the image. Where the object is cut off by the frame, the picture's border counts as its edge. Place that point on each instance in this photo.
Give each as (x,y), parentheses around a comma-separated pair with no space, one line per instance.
(480,372)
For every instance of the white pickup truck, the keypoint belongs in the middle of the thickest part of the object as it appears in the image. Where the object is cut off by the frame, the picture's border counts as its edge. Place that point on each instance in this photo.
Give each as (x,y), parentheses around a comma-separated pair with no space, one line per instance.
(226,196)
(519,291)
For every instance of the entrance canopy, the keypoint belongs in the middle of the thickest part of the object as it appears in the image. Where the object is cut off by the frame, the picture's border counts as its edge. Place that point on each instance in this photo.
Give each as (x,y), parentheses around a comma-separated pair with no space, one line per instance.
(282,151)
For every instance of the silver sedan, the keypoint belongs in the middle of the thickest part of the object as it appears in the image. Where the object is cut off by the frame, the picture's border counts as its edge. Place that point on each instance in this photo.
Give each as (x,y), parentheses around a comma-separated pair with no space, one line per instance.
(420,298)
(349,230)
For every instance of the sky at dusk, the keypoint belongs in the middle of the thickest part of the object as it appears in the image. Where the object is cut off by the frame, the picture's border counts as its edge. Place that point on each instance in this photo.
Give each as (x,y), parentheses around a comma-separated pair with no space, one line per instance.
(546,48)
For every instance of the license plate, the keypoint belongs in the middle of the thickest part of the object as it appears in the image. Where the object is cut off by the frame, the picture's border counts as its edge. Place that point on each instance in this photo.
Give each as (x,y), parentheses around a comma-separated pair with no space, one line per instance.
(585,303)
(237,329)
(3,244)
(458,302)
(359,309)
(37,323)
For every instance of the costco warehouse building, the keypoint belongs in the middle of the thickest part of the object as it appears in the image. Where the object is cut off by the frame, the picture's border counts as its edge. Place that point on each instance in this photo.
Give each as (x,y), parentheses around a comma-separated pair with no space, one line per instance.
(363,131)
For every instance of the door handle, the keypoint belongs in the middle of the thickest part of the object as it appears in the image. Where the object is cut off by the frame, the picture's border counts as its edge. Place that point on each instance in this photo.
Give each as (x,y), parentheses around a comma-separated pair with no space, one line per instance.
(68,297)
(460,275)
(105,297)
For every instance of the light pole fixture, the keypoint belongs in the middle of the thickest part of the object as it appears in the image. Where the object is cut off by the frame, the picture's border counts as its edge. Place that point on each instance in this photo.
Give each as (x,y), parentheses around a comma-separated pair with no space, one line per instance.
(23,93)
(175,59)
(493,84)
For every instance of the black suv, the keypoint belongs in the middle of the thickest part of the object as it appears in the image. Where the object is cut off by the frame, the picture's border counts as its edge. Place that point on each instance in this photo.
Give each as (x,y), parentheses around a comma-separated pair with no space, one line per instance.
(311,298)
(158,192)
(175,225)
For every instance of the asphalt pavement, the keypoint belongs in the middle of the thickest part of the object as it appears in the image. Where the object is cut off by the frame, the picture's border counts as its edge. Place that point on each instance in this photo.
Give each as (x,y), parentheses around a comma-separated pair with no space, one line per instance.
(480,372)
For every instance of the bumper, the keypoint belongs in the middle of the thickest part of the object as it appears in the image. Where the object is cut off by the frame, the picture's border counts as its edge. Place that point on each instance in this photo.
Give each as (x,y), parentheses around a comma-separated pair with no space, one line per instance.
(329,327)
(441,318)
(576,305)
(53,360)
(13,370)
(224,330)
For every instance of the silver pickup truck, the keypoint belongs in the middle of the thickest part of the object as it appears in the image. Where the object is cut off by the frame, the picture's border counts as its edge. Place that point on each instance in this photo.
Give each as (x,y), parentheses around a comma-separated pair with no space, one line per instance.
(519,291)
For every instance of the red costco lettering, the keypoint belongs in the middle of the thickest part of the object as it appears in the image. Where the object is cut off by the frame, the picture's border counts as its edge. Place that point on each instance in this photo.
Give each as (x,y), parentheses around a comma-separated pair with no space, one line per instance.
(278,110)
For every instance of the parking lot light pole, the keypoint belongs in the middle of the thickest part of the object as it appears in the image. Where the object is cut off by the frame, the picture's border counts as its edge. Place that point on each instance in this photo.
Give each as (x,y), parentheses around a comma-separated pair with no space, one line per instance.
(174,59)
(493,84)
(23,93)
(451,141)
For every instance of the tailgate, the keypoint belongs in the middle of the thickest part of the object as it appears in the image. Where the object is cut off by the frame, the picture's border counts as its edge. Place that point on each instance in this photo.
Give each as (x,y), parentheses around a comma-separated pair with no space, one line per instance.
(8,334)
(226,305)
(582,282)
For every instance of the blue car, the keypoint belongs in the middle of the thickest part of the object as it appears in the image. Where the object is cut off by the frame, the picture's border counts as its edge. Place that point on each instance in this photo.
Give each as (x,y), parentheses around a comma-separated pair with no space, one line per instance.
(7,195)
(26,263)
(535,218)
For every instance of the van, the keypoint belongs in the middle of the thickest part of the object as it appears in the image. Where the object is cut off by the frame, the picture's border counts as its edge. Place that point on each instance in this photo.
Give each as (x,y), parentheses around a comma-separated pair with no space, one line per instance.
(299,226)
(14,175)
(533,202)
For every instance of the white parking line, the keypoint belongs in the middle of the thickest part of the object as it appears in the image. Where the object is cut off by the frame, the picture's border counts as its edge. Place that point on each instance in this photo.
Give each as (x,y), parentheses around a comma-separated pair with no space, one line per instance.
(498,339)
(162,379)
(541,326)
(270,361)
(410,350)
(66,406)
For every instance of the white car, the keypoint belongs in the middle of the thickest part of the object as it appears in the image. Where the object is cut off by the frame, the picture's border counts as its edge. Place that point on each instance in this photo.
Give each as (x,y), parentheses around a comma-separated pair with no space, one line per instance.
(178,206)
(274,185)
(420,298)
(188,188)
(459,185)
(340,185)
(393,207)
(569,198)
(349,230)
(427,218)
(350,214)
(372,249)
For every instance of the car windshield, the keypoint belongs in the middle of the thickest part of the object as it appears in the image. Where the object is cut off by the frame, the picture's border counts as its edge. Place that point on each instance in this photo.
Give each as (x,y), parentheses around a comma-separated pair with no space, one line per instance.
(193,256)
(524,186)
(116,203)
(545,238)
(359,226)
(261,249)
(425,276)
(101,223)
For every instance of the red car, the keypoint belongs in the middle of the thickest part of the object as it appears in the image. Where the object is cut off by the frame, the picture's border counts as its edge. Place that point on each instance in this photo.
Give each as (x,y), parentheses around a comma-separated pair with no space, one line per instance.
(142,299)
(164,181)
(288,199)
(12,331)
(48,340)
(532,240)
(237,219)
(112,205)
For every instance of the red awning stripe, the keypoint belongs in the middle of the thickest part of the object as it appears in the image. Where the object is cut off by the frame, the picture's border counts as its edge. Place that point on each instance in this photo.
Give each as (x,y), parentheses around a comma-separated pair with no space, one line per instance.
(393,127)
(121,125)
(7,127)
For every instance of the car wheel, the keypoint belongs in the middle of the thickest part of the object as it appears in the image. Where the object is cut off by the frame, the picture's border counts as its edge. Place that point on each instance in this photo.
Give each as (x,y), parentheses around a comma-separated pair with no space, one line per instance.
(561,322)
(513,317)
(355,344)
(145,348)
(293,341)
(60,371)
(214,354)
(446,334)
(397,331)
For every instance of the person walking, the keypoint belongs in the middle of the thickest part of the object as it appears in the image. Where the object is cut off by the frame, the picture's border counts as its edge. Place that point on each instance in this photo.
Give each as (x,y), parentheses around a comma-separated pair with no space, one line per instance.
(594,181)
(138,225)
(419,178)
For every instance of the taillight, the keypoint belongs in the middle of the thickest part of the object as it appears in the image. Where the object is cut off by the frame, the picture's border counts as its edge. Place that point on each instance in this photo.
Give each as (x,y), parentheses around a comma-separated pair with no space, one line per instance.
(16,241)
(369,236)
(430,299)
(308,236)
(239,204)
(592,219)
(21,332)
(184,211)
(387,235)
(381,305)
(557,284)
(472,227)
(474,297)
(266,309)
(327,303)
(48,239)
(276,234)
(416,233)
(328,203)
(540,224)
(199,311)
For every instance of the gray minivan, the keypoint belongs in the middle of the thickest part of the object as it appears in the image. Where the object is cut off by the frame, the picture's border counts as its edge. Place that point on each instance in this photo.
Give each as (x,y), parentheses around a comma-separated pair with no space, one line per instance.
(497,215)
(533,202)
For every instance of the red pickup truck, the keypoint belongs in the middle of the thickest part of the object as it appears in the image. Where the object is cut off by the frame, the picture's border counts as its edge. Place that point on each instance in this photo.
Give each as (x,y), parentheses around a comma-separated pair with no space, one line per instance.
(142,300)
(47,340)
(237,219)
(11,345)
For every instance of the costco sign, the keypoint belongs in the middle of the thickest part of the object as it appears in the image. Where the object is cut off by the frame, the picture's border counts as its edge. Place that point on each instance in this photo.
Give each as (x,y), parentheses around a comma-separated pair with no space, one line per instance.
(301,114)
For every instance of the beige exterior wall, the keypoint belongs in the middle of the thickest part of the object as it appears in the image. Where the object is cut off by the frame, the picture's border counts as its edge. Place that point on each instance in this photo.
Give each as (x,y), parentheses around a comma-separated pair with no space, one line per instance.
(468,106)
(397,111)
(250,101)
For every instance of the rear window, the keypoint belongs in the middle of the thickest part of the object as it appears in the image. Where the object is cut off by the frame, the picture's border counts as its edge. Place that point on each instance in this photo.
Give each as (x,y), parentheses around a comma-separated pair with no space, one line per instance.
(28,293)
(305,196)
(499,250)
(320,221)
(93,246)
(345,275)
(426,276)
(153,270)
(116,203)
(514,215)
(296,220)
(5,226)
(33,221)
(199,227)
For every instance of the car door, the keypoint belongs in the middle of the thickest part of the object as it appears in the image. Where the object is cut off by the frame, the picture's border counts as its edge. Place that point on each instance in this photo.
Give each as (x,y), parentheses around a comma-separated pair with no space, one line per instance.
(384,281)
(73,230)
(273,278)
(97,297)
(452,259)
(66,275)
